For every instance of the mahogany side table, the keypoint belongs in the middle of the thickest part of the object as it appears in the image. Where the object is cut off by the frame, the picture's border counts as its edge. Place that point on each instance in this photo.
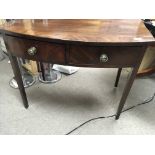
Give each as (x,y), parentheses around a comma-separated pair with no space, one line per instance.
(83,43)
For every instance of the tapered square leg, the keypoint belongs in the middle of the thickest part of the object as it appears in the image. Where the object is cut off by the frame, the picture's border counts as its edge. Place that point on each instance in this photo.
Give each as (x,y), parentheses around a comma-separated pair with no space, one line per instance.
(18,78)
(126,91)
(118,76)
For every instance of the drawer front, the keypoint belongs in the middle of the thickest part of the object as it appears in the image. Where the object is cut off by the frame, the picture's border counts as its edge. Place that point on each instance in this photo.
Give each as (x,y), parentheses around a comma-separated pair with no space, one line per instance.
(114,56)
(44,51)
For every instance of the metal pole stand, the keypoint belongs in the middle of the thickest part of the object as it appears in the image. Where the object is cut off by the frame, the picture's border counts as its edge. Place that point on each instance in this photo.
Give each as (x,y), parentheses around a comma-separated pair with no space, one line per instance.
(47,74)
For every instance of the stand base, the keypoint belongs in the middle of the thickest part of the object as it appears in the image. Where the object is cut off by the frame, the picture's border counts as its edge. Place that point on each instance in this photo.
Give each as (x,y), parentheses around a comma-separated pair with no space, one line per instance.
(28,81)
(53,77)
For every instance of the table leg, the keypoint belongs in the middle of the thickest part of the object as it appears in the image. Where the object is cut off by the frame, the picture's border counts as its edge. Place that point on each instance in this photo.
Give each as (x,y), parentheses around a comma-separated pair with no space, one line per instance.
(18,77)
(118,76)
(126,91)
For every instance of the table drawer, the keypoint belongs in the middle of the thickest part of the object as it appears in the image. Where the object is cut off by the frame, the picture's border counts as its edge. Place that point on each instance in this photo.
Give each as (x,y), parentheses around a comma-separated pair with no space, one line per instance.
(108,56)
(36,50)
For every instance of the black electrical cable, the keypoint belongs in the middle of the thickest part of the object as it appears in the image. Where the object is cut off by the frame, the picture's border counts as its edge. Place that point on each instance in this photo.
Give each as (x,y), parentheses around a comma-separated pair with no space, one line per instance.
(104,117)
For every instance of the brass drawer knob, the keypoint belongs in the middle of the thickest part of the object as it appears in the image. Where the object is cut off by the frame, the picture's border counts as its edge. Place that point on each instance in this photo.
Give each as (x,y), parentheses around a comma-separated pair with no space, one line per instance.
(103,58)
(32,51)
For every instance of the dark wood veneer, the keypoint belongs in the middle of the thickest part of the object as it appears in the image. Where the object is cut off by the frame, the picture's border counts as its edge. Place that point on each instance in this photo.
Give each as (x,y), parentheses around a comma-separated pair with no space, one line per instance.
(79,43)
(118,56)
(48,52)
(82,31)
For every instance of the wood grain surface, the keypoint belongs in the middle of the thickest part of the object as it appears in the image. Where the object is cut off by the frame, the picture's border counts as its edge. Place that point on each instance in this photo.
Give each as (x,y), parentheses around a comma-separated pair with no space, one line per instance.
(84,30)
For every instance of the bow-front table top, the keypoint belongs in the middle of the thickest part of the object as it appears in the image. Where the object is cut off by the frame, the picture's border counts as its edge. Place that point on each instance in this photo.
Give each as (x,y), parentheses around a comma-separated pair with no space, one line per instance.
(123,31)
